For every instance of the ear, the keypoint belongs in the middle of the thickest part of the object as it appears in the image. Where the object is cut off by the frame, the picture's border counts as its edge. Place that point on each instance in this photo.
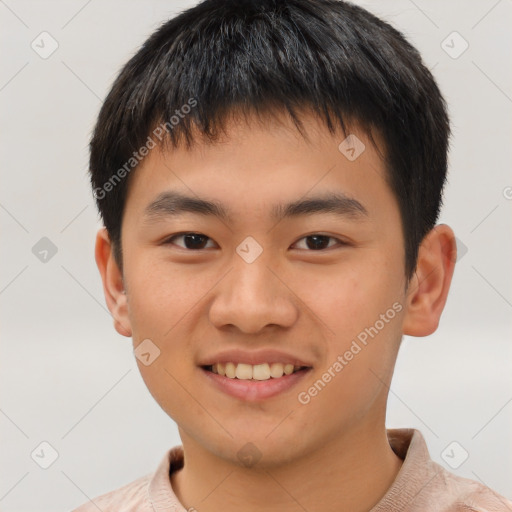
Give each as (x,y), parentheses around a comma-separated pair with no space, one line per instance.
(113,286)
(428,288)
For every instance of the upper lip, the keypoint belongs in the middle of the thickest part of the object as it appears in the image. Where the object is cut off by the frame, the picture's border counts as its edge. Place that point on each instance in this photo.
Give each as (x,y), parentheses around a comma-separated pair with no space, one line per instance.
(253,357)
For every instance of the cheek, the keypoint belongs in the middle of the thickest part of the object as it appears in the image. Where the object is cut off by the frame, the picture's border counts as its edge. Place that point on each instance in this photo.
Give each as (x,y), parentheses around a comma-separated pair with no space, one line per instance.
(346,298)
(169,387)
(359,306)
(160,296)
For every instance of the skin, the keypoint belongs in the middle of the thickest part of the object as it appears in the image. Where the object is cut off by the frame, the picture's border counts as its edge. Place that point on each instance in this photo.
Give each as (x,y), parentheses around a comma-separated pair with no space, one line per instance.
(332,453)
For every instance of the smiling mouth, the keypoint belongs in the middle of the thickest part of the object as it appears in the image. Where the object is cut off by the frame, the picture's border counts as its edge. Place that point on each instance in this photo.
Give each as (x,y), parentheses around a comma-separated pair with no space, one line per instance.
(257,372)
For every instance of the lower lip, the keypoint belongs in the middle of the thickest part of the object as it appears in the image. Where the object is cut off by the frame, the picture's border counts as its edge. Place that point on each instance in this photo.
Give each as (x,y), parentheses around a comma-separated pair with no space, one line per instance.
(254,390)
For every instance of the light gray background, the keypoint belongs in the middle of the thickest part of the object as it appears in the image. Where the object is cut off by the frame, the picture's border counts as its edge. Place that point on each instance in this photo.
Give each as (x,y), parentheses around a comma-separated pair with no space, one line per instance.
(69,379)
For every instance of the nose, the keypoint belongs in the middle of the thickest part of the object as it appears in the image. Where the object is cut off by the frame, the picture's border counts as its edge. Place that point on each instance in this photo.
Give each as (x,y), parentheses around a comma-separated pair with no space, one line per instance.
(253,296)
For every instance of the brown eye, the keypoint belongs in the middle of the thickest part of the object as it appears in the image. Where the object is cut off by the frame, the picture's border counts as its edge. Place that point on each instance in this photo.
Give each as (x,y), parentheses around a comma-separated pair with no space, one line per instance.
(318,242)
(191,241)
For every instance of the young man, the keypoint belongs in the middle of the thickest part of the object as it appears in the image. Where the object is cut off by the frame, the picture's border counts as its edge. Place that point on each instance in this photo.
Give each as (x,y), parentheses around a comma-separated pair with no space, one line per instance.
(270,174)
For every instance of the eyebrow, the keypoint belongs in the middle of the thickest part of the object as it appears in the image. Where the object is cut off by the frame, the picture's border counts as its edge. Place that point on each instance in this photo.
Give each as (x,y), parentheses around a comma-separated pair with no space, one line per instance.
(172,203)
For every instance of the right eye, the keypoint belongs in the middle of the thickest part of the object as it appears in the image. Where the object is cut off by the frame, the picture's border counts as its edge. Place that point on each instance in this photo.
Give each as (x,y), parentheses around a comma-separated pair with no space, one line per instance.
(192,241)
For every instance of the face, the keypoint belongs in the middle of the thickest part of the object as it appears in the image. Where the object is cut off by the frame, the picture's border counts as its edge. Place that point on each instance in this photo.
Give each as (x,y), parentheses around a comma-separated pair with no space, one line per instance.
(300,260)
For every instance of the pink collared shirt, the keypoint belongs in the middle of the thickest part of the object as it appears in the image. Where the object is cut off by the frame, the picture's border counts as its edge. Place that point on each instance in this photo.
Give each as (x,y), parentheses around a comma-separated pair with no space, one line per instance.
(421,485)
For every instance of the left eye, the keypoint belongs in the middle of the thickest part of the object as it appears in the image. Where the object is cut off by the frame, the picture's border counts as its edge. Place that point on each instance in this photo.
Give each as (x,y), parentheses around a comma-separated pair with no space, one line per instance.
(318,242)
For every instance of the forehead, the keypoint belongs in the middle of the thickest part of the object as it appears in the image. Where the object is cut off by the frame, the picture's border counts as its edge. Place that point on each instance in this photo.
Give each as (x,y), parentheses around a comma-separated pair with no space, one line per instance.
(263,157)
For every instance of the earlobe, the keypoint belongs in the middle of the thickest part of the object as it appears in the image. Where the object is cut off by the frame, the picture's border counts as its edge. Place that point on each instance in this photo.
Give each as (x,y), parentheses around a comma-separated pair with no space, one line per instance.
(113,286)
(428,289)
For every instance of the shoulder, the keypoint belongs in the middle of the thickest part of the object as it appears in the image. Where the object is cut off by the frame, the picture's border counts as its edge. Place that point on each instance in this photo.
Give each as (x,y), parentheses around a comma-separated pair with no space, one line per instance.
(129,497)
(459,494)
(423,485)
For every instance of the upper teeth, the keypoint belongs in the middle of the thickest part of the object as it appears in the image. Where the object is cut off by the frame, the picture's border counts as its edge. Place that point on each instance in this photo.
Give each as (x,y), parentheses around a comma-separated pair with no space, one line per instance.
(258,371)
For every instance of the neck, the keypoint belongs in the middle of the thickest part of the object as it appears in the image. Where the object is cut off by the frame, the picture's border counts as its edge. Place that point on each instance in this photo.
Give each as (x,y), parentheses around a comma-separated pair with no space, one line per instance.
(352,471)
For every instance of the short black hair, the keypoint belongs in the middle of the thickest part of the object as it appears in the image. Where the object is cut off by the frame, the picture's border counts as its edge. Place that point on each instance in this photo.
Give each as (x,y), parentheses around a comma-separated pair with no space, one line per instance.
(268,56)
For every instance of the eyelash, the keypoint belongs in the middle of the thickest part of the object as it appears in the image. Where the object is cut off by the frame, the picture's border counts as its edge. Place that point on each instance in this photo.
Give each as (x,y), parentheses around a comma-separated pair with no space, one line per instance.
(168,241)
